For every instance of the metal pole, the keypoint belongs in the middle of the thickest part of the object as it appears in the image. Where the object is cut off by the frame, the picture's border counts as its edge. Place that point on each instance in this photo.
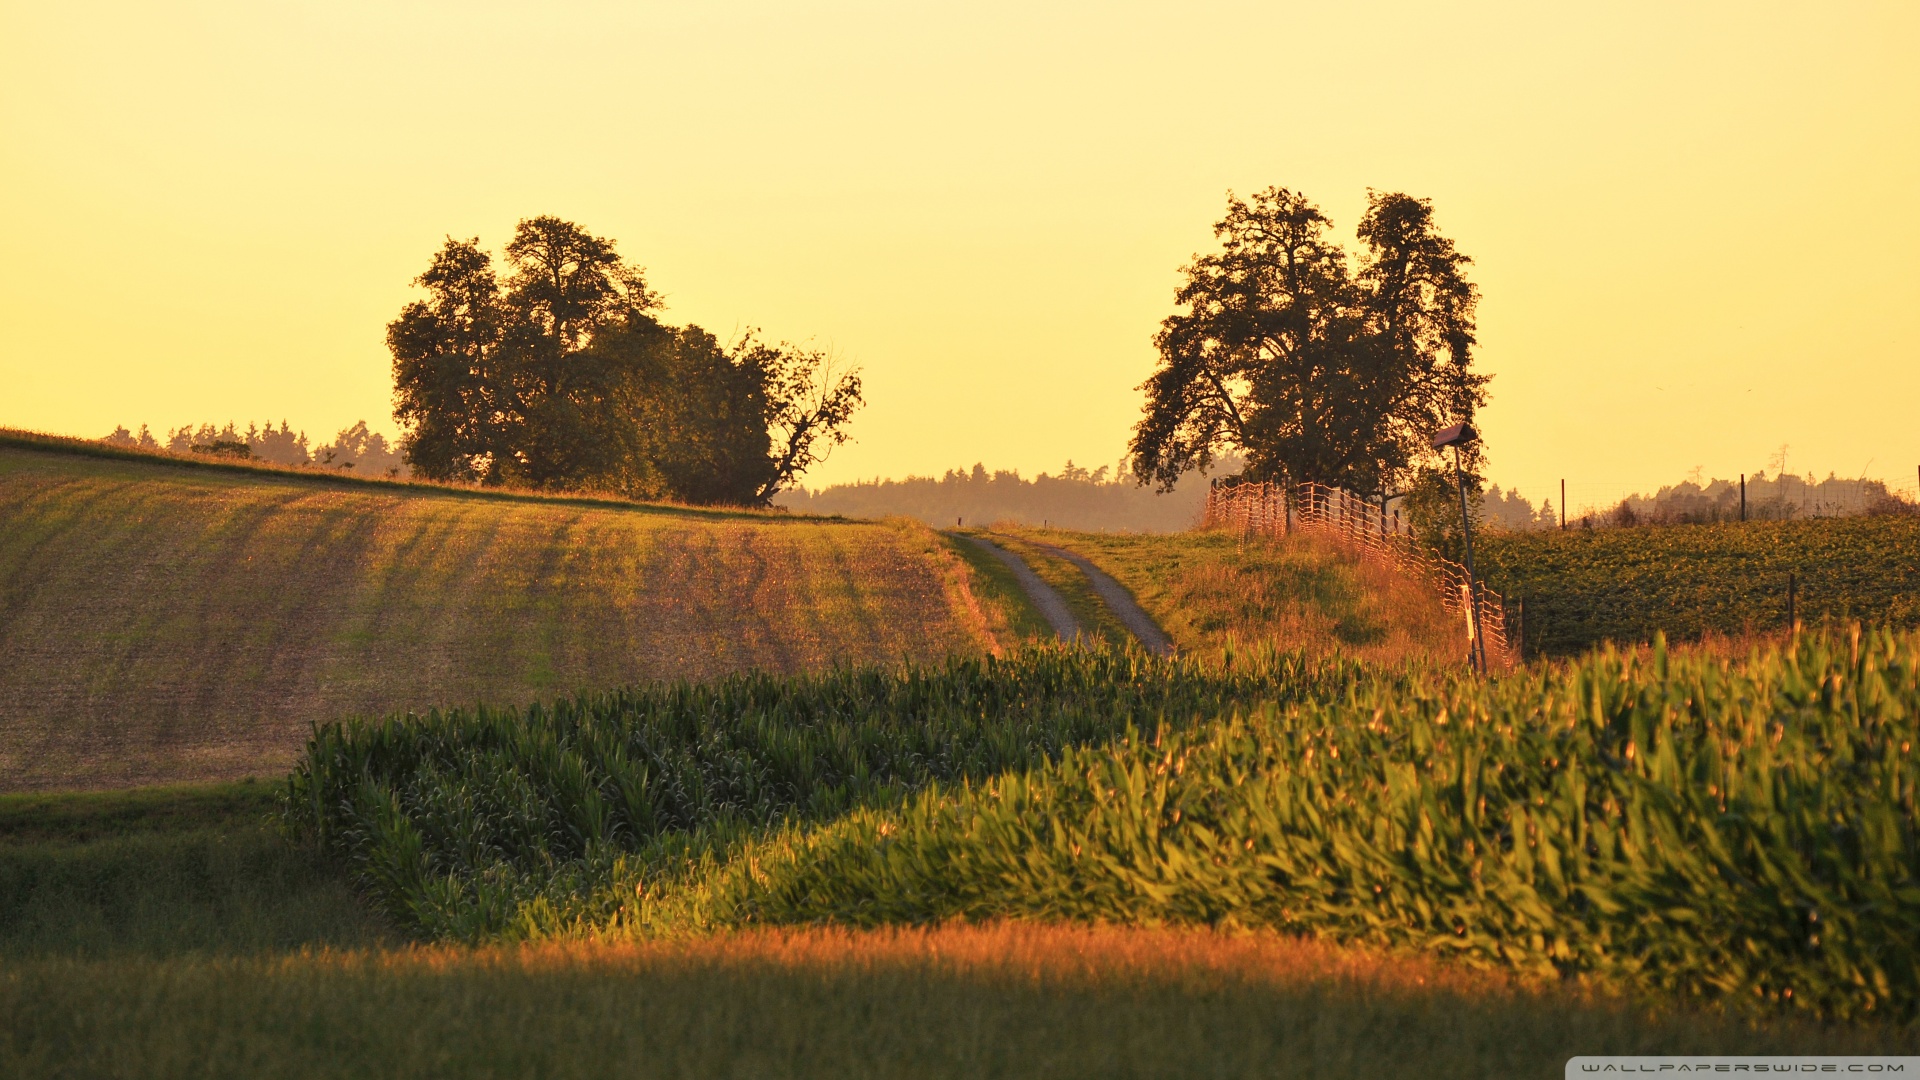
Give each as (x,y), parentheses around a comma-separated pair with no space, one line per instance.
(1473,592)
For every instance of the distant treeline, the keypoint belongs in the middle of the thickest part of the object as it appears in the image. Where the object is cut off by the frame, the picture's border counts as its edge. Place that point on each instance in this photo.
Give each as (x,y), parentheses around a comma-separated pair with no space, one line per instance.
(1781,498)
(355,449)
(1102,500)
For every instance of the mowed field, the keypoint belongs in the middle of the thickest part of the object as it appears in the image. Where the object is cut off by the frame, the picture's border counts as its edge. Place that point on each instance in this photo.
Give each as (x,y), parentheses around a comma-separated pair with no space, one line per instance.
(161,623)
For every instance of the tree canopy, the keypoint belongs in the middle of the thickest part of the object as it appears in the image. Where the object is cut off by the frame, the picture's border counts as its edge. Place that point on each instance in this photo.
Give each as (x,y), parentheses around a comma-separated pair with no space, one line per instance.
(562,377)
(1309,368)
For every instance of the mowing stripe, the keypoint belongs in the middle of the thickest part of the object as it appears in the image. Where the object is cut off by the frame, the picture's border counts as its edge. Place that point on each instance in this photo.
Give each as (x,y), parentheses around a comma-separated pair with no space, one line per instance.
(1043,595)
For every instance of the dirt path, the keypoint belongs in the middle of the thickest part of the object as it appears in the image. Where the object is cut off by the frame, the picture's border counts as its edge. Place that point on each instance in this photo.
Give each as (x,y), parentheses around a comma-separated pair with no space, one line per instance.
(1044,596)
(1118,600)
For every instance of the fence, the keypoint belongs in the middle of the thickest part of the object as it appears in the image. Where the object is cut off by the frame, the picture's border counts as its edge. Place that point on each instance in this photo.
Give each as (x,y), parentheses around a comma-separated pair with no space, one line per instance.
(1365,528)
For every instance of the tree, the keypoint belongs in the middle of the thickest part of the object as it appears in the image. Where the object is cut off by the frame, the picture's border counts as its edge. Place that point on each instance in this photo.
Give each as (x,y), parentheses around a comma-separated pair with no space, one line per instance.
(498,386)
(1420,315)
(455,391)
(808,406)
(568,288)
(564,379)
(709,419)
(1312,372)
(736,425)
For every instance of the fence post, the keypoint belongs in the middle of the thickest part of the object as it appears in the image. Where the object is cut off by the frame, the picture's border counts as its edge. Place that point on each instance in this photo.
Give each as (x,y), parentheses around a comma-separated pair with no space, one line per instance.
(1473,631)
(1563,506)
(1520,629)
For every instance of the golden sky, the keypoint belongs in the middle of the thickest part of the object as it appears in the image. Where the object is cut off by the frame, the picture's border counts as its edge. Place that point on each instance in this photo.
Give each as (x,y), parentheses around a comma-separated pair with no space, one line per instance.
(1695,225)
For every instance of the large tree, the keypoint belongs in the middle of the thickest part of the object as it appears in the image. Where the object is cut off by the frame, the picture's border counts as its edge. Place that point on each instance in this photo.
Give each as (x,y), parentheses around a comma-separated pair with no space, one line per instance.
(1309,370)
(562,378)
(453,390)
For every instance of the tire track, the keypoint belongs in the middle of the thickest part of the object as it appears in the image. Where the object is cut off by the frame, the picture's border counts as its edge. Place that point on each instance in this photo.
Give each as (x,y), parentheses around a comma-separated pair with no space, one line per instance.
(1118,600)
(1044,596)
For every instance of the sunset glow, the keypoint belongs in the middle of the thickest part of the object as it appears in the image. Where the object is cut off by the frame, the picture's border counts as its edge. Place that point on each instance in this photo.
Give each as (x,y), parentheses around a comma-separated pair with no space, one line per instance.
(1692,225)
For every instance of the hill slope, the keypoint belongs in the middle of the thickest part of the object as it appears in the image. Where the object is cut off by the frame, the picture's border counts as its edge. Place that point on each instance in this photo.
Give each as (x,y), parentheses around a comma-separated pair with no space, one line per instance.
(1209,587)
(160,623)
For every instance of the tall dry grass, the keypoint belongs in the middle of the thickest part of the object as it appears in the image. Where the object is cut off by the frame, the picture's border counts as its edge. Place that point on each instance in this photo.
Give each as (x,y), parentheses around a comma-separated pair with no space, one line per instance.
(1003,1000)
(1211,589)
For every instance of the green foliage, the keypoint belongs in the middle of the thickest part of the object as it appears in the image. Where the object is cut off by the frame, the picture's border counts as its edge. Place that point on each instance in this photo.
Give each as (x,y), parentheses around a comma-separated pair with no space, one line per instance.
(563,379)
(1707,830)
(458,820)
(161,872)
(1584,586)
(1432,507)
(1314,372)
(705,419)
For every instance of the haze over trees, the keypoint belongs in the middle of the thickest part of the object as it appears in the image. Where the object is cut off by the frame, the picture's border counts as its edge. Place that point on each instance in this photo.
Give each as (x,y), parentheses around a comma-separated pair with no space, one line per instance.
(1101,500)
(562,377)
(357,448)
(1311,366)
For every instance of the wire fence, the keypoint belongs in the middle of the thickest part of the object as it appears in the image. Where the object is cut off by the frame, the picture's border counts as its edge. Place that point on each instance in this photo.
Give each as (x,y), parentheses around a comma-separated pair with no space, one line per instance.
(1368,530)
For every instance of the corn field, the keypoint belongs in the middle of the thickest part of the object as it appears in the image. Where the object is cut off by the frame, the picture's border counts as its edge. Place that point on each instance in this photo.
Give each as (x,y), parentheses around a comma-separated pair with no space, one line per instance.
(1740,833)
(454,819)
(1732,831)
(1273,510)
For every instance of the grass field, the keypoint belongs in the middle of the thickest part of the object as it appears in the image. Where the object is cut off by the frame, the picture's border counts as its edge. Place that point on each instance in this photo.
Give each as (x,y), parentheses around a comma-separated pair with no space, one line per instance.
(162,872)
(1585,586)
(997,1001)
(151,955)
(163,623)
(1209,587)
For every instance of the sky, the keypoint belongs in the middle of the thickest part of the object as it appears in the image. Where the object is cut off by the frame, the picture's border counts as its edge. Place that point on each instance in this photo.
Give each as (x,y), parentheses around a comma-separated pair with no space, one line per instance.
(1694,225)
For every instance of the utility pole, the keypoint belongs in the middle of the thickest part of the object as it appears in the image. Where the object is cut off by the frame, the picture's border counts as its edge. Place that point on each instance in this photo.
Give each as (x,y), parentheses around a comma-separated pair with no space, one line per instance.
(1458,436)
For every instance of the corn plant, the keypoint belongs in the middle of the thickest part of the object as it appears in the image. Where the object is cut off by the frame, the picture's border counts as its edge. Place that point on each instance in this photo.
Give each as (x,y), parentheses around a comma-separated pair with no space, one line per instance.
(455,819)
(1702,829)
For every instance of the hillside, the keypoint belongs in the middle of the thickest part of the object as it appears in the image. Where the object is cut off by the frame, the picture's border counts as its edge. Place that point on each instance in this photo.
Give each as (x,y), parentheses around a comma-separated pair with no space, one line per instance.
(163,623)
(1208,588)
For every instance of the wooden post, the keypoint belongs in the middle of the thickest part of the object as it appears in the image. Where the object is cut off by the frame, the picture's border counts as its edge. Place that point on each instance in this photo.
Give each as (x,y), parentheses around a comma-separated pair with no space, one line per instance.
(1743,496)
(1563,506)
(1520,628)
